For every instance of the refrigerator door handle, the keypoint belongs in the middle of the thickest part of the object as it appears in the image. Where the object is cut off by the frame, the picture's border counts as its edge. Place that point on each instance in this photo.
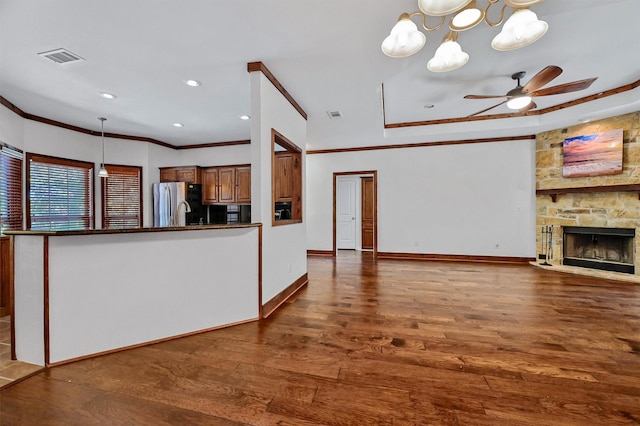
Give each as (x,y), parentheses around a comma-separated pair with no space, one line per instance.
(168,206)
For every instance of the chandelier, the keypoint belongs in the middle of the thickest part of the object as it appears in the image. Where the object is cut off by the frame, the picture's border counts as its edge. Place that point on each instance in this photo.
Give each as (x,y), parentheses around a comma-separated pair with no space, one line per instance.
(520,29)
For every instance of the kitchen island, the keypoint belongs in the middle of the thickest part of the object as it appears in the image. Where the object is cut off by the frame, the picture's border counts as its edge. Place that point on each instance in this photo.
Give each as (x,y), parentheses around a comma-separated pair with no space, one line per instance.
(82,293)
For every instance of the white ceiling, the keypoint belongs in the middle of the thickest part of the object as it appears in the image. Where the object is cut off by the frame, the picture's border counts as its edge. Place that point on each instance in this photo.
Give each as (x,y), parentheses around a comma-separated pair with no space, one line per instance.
(325,53)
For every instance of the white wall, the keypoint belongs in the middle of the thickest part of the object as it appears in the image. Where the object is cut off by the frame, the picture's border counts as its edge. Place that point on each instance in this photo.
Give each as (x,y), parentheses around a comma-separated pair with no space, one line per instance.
(35,137)
(469,199)
(283,247)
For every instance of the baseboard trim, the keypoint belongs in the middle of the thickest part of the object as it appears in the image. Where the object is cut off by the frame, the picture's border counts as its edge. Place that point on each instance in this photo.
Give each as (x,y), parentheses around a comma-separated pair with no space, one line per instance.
(455,258)
(151,342)
(326,253)
(275,302)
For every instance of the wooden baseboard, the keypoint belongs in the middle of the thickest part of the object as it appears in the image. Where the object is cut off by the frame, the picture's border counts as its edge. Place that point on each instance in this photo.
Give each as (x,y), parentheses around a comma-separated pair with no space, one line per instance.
(327,253)
(275,302)
(455,258)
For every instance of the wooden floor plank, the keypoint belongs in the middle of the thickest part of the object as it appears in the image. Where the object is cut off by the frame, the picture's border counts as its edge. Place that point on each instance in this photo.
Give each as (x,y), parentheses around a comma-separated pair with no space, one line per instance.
(374,343)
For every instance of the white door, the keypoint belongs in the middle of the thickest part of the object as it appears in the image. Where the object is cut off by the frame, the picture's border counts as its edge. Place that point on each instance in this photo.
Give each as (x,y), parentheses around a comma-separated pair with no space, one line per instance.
(346,212)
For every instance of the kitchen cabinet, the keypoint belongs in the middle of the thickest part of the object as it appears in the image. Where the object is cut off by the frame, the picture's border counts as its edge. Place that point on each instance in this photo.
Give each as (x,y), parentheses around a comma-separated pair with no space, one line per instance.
(283,177)
(210,184)
(243,185)
(226,185)
(192,174)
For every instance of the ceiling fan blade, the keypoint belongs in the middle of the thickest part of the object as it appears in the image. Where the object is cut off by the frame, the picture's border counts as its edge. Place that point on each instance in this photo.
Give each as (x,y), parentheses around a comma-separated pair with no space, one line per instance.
(487,109)
(483,96)
(574,86)
(542,78)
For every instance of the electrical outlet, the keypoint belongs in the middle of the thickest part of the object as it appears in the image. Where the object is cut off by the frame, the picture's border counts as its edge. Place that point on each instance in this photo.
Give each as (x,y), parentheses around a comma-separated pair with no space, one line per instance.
(289,267)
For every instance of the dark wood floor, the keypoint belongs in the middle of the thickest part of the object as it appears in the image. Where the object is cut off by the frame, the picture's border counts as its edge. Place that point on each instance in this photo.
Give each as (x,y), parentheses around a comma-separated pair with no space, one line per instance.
(377,343)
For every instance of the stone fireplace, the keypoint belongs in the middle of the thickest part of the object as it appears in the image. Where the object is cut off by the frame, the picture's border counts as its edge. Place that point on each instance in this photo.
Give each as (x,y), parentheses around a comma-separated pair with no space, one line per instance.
(595,219)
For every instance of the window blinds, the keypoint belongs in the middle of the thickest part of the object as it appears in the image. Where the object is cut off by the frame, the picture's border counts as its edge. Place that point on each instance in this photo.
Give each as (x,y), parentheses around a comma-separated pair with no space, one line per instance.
(60,195)
(121,198)
(10,188)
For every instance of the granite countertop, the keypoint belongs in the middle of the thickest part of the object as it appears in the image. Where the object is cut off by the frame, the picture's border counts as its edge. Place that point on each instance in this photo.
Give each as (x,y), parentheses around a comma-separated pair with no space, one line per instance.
(136,230)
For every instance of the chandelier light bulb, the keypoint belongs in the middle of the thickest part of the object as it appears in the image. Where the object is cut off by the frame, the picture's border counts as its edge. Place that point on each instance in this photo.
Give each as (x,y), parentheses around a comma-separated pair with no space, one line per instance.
(521,29)
(449,56)
(404,39)
(441,7)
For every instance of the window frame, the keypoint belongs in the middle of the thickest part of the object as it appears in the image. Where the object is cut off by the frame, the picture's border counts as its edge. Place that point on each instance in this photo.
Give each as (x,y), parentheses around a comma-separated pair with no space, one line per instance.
(63,162)
(14,219)
(113,169)
(296,190)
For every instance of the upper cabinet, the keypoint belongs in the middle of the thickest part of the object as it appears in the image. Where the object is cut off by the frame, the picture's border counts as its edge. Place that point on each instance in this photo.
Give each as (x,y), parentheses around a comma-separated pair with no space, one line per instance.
(226,185)
(243,185)
(210,183)
(284,177)
(191,174)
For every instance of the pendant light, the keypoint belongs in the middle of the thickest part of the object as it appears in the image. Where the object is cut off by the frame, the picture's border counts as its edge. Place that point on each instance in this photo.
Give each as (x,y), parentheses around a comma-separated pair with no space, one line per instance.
(103,170)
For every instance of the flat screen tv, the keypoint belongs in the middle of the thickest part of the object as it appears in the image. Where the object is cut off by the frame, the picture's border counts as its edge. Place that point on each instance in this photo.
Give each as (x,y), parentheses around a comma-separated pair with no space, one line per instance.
(593,155)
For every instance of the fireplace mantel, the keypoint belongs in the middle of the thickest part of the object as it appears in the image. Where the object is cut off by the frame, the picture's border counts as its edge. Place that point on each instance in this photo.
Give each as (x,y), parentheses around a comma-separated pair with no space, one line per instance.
(589,189)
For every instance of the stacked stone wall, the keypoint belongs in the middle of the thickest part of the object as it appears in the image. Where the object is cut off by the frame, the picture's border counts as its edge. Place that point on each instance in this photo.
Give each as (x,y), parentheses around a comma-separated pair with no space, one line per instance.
(600,209)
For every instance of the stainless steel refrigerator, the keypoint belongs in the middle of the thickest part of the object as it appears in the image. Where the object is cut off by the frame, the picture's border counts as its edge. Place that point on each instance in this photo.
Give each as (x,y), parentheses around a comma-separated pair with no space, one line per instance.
(169,204)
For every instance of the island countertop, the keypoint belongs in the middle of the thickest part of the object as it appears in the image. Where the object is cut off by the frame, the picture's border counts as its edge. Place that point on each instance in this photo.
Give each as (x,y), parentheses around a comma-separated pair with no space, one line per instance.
(136,230)
(80,294)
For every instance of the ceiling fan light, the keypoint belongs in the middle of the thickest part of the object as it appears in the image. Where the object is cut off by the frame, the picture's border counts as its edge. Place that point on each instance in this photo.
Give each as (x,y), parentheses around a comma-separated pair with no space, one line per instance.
(519,102)
(521,29)
(467,18)
(449,56)
(404,39)
(441,7)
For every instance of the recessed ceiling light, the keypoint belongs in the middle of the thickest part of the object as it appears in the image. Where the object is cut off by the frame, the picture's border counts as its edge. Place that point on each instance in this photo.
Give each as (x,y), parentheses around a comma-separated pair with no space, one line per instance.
(178,125)
(245,117)
(192,83)
(108,95)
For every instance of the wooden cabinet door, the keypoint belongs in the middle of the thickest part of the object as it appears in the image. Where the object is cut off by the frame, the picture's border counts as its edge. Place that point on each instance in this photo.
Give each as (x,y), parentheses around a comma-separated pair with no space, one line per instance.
(243,185)
(180,174)
(188,174)
(227,184)
(284,177)
(210,186)
(367,213)
(168,174)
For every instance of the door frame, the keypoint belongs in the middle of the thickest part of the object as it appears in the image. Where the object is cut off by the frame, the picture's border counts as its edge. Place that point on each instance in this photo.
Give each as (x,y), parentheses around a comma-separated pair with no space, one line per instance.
(374,174)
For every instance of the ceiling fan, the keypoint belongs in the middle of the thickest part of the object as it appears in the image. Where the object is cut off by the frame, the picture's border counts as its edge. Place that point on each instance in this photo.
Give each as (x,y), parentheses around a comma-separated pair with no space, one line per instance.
(520,97)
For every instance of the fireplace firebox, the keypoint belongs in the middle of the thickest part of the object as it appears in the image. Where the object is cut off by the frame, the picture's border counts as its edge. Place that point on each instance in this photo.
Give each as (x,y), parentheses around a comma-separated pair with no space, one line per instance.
(609,249)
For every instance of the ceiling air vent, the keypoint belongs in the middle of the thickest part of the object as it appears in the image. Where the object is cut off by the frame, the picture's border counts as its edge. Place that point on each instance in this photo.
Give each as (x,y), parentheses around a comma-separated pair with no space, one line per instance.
(334,115)
(61,56)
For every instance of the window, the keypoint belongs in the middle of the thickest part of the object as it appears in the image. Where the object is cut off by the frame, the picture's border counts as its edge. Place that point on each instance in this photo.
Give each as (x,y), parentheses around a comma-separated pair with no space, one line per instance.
(286,180)
(59,194)
(121,197)
(10,188)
